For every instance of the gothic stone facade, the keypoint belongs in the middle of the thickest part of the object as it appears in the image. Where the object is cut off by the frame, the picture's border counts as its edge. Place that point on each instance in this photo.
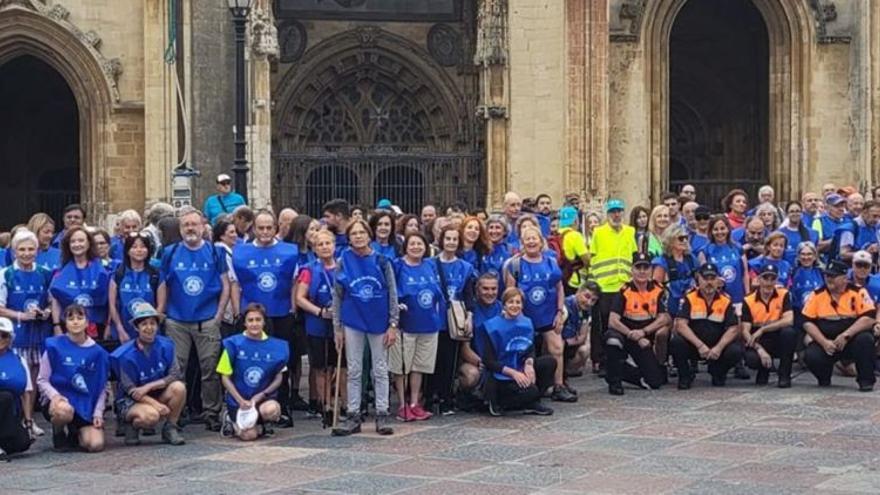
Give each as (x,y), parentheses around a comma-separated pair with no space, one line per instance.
(530,95)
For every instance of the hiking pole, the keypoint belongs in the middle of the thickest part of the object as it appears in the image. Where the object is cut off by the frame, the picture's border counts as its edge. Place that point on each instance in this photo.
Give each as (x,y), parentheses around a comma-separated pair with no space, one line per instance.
(336,393)
(325,390)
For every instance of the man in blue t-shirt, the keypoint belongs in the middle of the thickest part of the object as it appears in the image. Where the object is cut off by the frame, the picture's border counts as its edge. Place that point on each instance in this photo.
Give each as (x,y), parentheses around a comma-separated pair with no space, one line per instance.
(577,328)
(486,306)
(192,293)
(225,201)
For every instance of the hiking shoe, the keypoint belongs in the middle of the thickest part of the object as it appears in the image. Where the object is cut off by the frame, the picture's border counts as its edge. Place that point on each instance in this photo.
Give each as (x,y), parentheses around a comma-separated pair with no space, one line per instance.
(350,426)
(719,380)
(171,434)
(538,409)
(615,389)
(404,413)
(298,404)
(418,413)
(36,431)
(132,434)
(268,429)
(59,439)
(561,394)
(212,423)
(286,421)
(784,382)
(227,429)
(762,377)
(447,408)
(740,373)
(685,382)
(570,389)
(382,426)
(495,409)
(866,387)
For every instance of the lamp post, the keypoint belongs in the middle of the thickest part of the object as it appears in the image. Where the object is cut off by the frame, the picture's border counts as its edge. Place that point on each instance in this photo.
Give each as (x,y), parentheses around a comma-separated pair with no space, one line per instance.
(240,10)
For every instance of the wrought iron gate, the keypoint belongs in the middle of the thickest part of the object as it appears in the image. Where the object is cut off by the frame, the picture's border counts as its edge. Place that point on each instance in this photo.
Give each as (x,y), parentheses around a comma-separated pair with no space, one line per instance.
(306,181)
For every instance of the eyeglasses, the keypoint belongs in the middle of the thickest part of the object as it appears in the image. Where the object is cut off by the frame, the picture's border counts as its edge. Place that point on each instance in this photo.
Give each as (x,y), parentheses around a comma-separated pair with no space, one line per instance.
(862,264)
(142,234)
(701,218)
(225,182)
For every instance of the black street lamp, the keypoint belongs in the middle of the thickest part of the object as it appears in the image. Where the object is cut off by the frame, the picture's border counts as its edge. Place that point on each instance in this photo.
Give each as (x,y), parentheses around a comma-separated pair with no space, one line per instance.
(240,10)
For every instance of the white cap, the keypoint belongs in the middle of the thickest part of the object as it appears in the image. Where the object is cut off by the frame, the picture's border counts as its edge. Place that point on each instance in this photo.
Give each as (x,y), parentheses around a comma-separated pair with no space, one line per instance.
(223,177)
(246,419)
(6,325)
(862,257)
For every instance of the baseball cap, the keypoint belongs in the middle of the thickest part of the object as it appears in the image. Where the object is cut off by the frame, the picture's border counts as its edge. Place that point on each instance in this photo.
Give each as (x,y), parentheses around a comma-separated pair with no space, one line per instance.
(641,259)
(862,257)
(708,269)
(702,211)
(6,325)
(769,269)
(223,178)
(614,204)
(835,268)
(847,190)
(246,419)
(143,311)
(834,199)
(384,203)
(567,216)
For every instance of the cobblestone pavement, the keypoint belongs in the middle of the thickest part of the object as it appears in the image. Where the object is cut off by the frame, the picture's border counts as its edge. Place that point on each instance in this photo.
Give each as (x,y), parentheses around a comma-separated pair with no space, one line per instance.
(737,439)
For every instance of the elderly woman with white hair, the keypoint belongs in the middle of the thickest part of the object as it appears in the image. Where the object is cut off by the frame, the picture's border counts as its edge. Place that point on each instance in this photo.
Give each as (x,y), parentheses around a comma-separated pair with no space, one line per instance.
(128,221)
(767,196)
(24,299)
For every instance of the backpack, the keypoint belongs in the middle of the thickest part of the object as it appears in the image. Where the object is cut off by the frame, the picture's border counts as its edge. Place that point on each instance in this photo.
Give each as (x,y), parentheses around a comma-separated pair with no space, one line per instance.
(119,274)
(673,272)
(556,242)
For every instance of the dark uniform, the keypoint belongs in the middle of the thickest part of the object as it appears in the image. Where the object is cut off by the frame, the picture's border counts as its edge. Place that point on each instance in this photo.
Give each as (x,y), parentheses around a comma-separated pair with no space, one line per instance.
(709,320)
(778,343)
(833,318)
(636,309)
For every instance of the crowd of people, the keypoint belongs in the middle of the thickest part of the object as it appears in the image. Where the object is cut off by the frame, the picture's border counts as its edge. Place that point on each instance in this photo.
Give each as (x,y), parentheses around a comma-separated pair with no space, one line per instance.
(184,317)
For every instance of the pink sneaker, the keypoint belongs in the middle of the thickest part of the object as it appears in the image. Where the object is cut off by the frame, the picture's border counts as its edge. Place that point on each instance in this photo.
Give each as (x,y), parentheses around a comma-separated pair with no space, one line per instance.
(404,413)
(417,413)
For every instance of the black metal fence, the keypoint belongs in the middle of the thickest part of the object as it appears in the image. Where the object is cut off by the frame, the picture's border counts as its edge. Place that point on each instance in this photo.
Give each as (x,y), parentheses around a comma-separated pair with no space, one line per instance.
(307,180)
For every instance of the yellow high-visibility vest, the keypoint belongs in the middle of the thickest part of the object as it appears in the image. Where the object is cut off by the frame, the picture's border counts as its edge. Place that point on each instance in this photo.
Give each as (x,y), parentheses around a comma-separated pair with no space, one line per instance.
(611,253)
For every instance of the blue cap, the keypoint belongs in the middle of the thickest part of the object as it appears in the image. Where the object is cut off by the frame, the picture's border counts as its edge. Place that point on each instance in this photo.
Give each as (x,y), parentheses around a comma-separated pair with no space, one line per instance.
(834,199)
(614,204)
(384,203)
(769,269)
(567,216)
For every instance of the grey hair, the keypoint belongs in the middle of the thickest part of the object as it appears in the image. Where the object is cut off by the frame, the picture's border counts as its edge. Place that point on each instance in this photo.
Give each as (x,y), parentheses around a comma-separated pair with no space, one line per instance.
(23,235)
(159,211)
(499,219)
(670,235)
(188,210)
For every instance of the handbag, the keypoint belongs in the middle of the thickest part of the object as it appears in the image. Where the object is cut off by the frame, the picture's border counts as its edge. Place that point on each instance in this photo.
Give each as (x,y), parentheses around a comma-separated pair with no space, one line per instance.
(459,320)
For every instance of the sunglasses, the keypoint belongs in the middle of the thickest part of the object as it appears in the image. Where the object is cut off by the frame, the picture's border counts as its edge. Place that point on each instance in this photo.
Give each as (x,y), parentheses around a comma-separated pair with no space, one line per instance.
(682,238)
(701,217)
(768,276)
(862,264)
(5,335)
(225,182)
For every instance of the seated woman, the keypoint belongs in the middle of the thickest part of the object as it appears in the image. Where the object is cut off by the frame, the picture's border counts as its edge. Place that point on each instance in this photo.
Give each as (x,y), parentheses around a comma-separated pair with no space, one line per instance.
(517,378)
(150,382)
(73,375)
(251,369)
(15,391)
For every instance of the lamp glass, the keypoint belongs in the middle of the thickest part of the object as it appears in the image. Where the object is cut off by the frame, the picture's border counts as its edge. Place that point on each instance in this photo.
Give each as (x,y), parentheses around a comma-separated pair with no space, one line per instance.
(239,4)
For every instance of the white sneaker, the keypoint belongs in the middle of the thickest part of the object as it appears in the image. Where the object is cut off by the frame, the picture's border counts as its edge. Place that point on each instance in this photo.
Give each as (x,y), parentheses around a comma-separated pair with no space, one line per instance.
(36,430)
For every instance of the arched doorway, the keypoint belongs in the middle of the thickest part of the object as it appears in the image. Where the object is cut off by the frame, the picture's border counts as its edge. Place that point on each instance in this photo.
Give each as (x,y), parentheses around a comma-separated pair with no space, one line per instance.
(788,27)
(373,103)
(39,141)
(718,115)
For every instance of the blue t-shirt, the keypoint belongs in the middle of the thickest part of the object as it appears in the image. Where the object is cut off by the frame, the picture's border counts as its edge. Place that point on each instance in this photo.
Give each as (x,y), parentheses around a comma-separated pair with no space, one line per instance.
(134,289)
(320,293)
(217,205)
(728,259)
(680,280)
(794,238)
(88,287)
(803,282)
(511,341)
(538,281)
(575,318)
(79,373)
(193,278)
(365,296)
(255,363)
(142,367)
(266,275)
(418,287)
(482,314)
(783,266)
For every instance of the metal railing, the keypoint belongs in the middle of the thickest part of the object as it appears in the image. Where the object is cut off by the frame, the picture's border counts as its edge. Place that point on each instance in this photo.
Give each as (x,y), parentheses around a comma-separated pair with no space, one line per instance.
(307,180)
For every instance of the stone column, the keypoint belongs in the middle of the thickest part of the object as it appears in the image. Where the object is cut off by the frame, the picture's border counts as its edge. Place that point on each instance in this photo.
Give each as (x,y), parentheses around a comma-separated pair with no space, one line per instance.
(586,157)
(873,108)
(264,48)
(160,104)
(491,58)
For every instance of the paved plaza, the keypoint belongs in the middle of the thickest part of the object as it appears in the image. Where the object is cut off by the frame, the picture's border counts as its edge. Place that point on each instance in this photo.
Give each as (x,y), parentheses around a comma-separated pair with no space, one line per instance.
(738,439)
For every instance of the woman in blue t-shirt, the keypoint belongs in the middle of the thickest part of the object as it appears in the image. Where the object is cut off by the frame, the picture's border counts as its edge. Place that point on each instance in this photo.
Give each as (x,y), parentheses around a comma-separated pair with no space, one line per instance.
(675,268)
(805,278)
(728,257)
(73,375)
(16,393)
(385,242)
(133,283)
(536,273)
(474,242)
(420,296)
(82,280)
(796,231)
(251,368)
(365,312)
(774,251)
(314,297)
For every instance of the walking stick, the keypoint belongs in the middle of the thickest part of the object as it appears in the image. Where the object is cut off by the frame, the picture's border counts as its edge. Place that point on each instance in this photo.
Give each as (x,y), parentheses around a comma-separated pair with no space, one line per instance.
(336,393)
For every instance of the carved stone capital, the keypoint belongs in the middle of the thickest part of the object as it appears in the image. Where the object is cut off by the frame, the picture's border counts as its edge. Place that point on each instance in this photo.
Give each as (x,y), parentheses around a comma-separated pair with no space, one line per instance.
(490,112)
(630,16)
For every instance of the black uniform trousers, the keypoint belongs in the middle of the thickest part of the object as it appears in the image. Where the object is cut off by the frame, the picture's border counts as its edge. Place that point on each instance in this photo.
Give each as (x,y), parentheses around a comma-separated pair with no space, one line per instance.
(282,327)
(509,395)
(683,352)
(598,324)
(779,344)
(859,349)
(617,348)
(13,437)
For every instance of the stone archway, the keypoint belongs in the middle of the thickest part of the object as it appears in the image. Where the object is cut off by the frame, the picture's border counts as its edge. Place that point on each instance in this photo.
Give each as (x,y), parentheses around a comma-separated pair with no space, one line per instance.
(29,28)
(790,31)
(369,100)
